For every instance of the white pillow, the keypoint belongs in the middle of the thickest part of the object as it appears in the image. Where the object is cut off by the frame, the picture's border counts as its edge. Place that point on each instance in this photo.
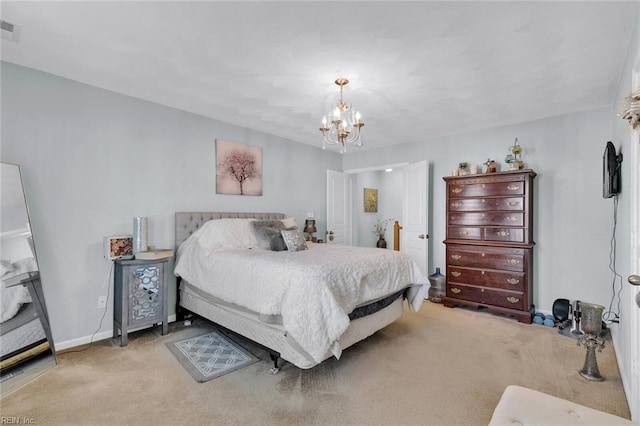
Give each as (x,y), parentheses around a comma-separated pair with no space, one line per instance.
(218,234)
(5,266)
(289,222)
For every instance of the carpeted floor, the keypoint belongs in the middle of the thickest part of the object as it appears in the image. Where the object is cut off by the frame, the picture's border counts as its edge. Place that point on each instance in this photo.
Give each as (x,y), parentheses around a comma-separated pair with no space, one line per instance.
(439,366)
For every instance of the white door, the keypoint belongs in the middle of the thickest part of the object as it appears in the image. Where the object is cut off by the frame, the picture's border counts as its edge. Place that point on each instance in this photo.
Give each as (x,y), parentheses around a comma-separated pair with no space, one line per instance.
(337,208)
(633,306)
(634,291)
(413,237)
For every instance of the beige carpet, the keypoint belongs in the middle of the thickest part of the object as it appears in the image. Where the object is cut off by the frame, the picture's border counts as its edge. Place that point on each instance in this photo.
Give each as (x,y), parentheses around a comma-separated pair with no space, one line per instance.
(439,366)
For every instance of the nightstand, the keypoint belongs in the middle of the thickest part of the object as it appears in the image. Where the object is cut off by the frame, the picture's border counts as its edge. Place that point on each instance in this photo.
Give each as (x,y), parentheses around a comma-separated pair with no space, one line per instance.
(140,296)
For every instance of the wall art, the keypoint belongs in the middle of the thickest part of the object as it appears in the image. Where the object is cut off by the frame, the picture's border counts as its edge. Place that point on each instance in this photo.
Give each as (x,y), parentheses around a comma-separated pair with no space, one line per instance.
(370,200)
(238,168)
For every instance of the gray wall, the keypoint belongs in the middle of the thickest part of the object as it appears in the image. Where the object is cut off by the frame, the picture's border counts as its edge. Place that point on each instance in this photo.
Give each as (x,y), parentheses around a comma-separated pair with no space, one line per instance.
(93,159)
(572,221)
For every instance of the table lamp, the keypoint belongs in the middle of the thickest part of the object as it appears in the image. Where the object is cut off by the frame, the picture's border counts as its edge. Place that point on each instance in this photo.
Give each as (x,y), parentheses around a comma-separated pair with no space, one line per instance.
(310,228)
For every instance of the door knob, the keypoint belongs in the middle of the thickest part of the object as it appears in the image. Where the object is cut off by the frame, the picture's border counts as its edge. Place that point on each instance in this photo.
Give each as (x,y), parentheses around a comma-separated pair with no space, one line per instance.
(330,235)
(423,236)
(634,279)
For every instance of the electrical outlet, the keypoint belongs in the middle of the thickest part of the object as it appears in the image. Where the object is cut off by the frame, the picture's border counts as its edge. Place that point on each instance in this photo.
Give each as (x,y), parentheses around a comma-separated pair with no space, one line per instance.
(102,302)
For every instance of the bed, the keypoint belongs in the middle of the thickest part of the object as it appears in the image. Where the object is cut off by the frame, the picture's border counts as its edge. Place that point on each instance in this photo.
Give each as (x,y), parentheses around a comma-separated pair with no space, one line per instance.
(22,335)
(305,303)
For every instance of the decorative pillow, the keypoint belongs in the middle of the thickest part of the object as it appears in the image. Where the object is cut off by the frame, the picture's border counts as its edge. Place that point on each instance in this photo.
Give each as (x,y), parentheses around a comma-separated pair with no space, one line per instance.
(294,239)
(268,234)
(227,233)
(289,222)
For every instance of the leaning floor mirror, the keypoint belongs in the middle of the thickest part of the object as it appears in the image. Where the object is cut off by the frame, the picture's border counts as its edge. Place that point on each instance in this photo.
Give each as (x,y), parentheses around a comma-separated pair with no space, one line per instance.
(26,346)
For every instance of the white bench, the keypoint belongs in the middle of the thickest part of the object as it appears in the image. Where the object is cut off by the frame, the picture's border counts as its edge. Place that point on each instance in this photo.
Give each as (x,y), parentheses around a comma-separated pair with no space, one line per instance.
(522,406)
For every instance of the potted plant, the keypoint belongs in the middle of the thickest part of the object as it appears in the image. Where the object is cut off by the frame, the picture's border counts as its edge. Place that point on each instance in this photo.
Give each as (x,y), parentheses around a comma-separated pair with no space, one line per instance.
(380,228)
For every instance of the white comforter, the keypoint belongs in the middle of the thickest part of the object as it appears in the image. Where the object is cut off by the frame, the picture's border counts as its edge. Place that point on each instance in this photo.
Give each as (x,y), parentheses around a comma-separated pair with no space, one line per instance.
(313,290)
(12,298)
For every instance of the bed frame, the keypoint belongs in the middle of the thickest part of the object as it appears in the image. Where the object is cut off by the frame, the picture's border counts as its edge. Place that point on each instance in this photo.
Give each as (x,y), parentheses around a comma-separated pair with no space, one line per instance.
(249,325)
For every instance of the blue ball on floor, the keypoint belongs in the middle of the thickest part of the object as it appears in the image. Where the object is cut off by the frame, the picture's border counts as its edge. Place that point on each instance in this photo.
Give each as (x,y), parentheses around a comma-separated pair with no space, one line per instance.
(537,319)
(549,322)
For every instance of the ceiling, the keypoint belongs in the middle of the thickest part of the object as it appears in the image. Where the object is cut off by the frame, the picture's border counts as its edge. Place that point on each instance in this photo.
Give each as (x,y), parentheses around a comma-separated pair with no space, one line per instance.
(418,70)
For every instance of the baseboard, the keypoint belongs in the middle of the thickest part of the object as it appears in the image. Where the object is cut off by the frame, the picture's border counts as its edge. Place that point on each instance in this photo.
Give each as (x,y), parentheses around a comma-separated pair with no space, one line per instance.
(103,335)
(626,378)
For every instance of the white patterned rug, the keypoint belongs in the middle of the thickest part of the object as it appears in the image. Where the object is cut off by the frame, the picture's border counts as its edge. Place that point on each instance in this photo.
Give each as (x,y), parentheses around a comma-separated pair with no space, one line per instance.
(210,355)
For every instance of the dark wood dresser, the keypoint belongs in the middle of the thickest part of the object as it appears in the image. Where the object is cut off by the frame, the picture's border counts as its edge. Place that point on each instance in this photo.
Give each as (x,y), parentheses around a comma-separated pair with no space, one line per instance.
(489,242)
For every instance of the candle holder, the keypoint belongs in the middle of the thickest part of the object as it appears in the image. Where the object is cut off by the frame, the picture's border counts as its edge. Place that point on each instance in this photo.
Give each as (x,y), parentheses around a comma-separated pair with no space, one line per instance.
(592,328)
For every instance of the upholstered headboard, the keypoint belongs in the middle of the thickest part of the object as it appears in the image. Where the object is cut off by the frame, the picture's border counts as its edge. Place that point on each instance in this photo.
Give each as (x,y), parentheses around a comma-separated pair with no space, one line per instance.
(189,222)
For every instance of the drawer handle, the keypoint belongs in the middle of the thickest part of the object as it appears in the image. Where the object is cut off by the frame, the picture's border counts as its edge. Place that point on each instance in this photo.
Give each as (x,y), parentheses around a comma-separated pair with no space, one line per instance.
(456,190)
(481,254)
(455,290)
(502,233)
(464,232)
(513,262)
(484,201)
(512,299)
(514,203)
(513,281)
(513,187)
(483,185)
(456,273)
(481,272)
(512,218)
(456,204)
(456,257)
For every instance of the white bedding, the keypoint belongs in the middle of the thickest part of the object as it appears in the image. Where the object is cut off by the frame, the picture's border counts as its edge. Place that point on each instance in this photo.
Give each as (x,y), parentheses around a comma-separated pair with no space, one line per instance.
(12,298)
(313,290)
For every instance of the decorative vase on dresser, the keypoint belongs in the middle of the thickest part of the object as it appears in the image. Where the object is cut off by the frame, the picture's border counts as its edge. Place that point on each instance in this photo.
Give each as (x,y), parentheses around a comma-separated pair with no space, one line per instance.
(489,244)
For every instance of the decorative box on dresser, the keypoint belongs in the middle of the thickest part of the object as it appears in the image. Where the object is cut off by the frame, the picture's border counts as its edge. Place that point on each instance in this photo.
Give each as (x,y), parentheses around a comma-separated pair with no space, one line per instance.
(489,243)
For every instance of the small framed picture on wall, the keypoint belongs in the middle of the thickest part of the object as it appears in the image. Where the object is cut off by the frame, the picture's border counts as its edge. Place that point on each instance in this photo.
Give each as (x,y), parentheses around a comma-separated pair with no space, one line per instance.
(370,200)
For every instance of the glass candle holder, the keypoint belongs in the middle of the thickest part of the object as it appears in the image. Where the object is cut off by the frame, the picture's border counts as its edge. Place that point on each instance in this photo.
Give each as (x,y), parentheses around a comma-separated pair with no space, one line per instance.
(591,315)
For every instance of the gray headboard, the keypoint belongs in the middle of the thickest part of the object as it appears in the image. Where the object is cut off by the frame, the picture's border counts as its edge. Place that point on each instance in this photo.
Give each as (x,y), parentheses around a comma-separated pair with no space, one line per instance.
(189,222)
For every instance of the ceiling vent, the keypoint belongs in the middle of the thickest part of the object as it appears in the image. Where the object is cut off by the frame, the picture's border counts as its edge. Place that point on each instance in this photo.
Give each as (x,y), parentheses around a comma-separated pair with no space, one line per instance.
(10,31)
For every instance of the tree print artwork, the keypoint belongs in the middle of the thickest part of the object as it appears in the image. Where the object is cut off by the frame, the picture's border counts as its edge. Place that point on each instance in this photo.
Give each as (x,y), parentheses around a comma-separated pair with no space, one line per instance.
(239,169)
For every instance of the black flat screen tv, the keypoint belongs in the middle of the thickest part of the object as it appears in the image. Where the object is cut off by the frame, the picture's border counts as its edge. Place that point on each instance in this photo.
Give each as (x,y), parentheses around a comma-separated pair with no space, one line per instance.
(611,171)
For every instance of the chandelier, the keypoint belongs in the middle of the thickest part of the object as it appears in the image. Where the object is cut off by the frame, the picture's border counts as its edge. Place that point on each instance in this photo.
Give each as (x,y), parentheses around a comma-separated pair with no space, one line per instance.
(342,126)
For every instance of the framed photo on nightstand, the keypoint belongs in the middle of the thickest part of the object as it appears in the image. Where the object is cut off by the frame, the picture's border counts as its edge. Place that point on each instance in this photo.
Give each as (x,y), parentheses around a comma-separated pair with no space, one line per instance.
(117,246)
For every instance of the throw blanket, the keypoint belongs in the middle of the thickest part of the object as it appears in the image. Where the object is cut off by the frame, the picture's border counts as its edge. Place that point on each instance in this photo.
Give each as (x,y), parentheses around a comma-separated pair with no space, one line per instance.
(313,290)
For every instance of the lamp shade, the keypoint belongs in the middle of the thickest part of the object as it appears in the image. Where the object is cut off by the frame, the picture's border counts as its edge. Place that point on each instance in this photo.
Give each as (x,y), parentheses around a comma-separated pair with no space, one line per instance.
(310,226)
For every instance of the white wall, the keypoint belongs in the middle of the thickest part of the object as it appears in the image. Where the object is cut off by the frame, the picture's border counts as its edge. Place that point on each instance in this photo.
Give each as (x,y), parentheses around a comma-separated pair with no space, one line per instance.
(572,221)
(390,195)
(93,159)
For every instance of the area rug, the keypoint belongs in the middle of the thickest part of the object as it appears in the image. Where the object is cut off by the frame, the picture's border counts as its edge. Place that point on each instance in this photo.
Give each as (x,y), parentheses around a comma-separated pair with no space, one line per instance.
(210,355)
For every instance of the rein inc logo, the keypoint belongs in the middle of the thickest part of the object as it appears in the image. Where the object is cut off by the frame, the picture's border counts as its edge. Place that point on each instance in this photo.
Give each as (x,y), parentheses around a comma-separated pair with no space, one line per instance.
(15,420)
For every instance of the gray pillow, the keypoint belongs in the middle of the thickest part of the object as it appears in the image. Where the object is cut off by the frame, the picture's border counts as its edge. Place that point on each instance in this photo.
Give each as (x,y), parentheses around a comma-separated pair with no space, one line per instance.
(294,239)
(268,234)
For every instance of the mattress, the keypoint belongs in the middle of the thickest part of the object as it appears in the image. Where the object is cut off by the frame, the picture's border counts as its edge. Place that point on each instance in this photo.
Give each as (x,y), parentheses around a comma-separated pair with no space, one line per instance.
(273,335)
(22,330)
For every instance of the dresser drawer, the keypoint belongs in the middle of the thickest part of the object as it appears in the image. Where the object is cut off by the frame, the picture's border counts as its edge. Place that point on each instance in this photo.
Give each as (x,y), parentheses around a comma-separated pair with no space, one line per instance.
(485,257)
(460,233)
(483,204)
(513,235)
(486,296)
(457,190)
(489,218)
(487,278)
